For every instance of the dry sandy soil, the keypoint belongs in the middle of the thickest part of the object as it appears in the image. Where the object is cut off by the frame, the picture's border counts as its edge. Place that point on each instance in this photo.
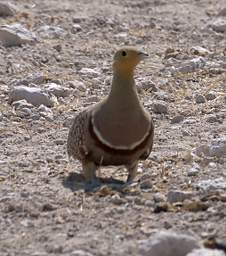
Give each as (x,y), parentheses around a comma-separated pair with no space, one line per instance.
(44,209)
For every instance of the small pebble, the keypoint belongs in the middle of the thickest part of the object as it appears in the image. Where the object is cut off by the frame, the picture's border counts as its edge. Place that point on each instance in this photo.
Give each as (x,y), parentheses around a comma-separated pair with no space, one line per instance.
(174,196)
(198,50)
(199,99)
(160,107)
(158,197)
(146,184)
(210,96)
(177,119)
(59,142)
(117,200)
(212,119)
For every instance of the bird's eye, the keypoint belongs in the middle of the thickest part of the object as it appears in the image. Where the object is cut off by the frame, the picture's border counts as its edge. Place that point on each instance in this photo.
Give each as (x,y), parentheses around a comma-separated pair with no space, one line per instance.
(124,53)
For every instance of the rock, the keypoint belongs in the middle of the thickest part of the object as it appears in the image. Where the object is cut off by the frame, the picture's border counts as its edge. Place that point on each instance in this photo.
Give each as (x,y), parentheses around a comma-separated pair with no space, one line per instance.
(76,28)
(211,184)
(167,243)
(43,108)
(51,32)
(16,35)
(190,65)
(177,119)
(57,90)
(195,206)
(59,142)
(77,85)
(206,252)
(37,78)
(79,19)
(24,112)
(216,148)
(219,25)
(146,184)
(161,95)
(199,99)
(148,85)
(160,107)
(210,96)
(80,253)
(32,95)
(213,119)
(21,104)
(7,9)
(58,47)
(194,171)
(92,99)
(89,72)
(45,112)
(174,196)
(222,12)
(198,50)
(158,197)
(161,207)
(117,200)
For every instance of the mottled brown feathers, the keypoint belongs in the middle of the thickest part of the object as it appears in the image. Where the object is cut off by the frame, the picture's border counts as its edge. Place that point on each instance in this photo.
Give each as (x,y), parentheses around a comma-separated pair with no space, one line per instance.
(117,130)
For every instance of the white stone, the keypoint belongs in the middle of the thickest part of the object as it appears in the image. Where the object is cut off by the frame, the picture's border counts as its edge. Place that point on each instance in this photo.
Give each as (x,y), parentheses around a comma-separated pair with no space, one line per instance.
(7,9)
(167,243)
(211,184)
(80,253)
(57,90)
(191,65)
(89,72)
(206,252)
(21,104)
(32,95)
(201,51)
(76,28)
(51,32)
(219,25)
(194,170)
(16,35)
(217,148)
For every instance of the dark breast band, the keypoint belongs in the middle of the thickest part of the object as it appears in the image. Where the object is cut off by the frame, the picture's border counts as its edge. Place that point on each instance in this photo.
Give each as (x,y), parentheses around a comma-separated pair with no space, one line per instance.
(114,151)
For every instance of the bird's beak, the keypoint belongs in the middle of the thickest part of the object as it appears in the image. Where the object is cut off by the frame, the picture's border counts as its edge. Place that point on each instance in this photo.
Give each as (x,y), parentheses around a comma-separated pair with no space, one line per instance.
(143,55)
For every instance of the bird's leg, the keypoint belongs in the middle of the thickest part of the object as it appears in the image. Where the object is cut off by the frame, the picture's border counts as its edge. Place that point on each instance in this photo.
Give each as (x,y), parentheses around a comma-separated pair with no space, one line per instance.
(132,171)
(89,170)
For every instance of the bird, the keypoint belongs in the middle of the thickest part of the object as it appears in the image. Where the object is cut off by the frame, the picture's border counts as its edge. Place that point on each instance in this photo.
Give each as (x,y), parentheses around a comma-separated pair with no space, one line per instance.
(117,131)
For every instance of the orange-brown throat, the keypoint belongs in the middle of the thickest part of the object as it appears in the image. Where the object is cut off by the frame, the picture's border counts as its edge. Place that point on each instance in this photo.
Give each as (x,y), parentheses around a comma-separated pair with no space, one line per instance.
(125,68)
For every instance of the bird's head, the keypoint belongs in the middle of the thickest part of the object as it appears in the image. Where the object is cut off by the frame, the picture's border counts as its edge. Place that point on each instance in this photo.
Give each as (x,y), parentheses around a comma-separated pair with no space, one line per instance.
(127,58)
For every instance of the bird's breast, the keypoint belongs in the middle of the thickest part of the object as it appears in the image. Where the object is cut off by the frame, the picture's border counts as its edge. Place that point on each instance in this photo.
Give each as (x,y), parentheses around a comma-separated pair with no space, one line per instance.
(121,129)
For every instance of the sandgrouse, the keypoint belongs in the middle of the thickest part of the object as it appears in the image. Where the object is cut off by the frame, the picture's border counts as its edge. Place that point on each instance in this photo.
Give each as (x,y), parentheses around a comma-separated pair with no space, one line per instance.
(117,130)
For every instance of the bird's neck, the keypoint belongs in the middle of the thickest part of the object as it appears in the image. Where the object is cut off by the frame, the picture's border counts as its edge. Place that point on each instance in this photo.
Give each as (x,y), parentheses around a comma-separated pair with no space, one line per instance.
(123,90)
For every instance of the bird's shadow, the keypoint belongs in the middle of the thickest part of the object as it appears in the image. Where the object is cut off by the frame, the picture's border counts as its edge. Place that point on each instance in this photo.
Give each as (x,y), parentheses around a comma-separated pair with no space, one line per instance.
(76,181)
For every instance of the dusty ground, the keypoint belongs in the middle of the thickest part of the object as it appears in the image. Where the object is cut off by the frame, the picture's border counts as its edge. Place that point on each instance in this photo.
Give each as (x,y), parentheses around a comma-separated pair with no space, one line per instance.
(43,207)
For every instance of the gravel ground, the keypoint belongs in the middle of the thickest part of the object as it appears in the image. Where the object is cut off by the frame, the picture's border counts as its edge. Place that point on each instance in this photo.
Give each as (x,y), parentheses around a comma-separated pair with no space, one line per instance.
(44,209)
